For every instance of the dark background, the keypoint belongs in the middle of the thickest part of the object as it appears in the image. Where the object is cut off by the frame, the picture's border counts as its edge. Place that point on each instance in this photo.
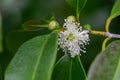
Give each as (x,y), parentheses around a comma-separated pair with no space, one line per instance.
(16,12)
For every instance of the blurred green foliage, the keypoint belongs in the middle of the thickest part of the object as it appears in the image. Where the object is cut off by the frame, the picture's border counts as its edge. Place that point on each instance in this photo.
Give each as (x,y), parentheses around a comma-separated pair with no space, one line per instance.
(78,5)
(0,73)
(16,12)
(1,45)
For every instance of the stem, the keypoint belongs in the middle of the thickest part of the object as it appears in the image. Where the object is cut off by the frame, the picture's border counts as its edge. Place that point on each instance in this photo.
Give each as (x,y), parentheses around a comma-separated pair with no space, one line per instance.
(106,34)
(77,11)
(102,33)
(105,43)
(110,35)
(40,25)
(107,24)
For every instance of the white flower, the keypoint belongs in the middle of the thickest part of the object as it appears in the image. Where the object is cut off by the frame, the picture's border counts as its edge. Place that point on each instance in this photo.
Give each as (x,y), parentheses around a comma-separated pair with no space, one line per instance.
(73,38)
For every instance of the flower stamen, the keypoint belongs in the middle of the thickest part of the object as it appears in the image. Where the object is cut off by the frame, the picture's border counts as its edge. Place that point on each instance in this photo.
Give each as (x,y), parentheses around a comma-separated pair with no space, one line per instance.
(70,37)
(73,38)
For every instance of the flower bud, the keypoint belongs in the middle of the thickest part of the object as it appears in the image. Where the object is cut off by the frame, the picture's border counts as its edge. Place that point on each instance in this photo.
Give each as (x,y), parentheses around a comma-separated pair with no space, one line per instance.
(53,25)
(71,19)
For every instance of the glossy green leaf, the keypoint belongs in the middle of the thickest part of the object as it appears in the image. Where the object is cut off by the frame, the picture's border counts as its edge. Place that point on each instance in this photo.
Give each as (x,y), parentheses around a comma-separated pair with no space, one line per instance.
(34,60)
(1,48)
(116,9)
(35,25)
(78,5)
(106,66)
(114,13)
(69,69)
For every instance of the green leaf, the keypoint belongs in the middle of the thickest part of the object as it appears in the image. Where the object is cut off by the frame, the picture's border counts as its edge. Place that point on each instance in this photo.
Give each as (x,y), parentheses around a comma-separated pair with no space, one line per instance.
(69,69)
(34,60)
(1,48)
(106,66)
(35,25)
(114,13)
(116,9)
(78,5)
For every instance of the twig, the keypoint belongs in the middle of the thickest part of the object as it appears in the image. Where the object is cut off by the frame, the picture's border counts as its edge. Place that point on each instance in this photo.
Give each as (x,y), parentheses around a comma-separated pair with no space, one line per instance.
(110,35)
(102,33)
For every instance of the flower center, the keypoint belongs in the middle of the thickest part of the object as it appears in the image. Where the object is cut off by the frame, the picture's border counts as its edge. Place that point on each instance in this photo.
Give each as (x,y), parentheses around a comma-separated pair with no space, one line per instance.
(70,37)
